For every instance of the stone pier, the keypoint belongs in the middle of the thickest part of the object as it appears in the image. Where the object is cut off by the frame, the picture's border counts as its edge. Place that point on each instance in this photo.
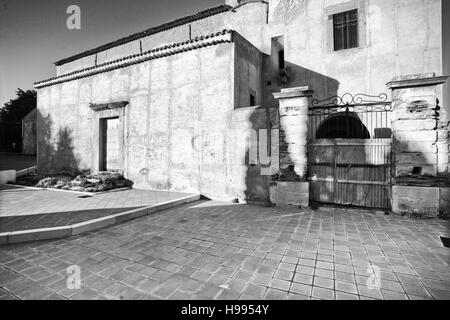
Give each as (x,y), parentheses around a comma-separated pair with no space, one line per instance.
(290,186)
(421,184)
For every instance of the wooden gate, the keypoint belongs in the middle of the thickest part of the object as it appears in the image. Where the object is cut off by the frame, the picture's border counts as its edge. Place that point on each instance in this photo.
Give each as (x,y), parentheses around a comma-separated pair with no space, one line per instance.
(351,172)
(350,152)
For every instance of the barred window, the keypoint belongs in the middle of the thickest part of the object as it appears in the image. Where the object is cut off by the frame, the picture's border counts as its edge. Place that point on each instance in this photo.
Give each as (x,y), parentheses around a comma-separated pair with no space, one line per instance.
(345,30)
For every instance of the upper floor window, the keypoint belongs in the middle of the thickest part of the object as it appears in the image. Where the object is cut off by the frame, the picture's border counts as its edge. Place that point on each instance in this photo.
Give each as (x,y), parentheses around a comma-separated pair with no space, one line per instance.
(345,30)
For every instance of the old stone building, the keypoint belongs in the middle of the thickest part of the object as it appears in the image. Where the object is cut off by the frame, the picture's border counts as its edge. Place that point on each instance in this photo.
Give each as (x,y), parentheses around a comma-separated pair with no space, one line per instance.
(279,101)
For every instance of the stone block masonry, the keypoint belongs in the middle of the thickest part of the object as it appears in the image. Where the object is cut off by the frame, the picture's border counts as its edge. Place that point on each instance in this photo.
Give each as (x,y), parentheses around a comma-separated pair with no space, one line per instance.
(420,141)
(420,147)
(293,110)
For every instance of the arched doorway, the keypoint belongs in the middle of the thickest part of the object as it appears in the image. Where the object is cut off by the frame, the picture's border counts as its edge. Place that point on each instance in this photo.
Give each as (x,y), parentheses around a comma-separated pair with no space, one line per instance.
(349,151)
(343,126)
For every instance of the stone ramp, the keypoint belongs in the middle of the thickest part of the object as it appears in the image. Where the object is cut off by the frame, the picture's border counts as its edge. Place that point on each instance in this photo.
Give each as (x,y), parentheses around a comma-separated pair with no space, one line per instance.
(56,219)
(30,214)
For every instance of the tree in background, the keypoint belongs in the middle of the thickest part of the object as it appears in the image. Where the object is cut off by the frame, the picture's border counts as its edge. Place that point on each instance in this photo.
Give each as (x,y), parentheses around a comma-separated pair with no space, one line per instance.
(11,115)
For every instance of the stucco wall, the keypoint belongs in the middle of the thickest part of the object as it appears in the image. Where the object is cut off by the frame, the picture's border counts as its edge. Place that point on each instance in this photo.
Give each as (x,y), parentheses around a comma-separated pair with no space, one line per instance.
(180,129)
(397,37)
(248,72)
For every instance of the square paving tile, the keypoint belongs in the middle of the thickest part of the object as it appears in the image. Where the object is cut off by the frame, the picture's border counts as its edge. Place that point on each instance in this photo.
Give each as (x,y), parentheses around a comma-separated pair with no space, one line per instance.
(322,293)
(239,252)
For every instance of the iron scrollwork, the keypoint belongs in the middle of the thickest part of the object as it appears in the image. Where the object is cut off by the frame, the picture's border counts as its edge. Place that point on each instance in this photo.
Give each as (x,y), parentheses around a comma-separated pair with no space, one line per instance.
(350,100)
(354,103)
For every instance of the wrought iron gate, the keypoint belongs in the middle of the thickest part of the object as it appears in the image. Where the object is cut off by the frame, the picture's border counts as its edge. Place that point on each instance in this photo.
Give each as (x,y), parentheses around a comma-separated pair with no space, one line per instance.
(350,150)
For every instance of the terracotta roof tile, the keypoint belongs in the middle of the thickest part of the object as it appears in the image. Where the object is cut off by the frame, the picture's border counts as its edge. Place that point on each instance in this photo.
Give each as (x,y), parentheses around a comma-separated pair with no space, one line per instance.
(166,26)
(176,48)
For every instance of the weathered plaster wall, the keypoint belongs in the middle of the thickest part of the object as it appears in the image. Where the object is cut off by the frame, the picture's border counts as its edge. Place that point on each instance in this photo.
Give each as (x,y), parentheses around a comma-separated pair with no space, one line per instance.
(248,132)
(180,129)
(398,37)
(248,68)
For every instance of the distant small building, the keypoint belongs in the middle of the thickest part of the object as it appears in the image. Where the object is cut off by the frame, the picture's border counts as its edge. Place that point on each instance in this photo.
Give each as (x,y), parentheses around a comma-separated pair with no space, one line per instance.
(29,133)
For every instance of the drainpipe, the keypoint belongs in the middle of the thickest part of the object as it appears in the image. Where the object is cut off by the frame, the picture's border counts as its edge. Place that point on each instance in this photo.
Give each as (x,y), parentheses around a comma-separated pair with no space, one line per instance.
(253,1)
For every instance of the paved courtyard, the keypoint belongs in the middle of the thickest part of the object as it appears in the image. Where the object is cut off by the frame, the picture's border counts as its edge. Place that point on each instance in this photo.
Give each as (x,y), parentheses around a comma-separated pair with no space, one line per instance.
(209,250)
(25,209)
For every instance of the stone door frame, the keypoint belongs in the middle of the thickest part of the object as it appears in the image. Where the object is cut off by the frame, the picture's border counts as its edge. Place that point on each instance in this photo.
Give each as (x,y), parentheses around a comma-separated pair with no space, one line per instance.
(102,112)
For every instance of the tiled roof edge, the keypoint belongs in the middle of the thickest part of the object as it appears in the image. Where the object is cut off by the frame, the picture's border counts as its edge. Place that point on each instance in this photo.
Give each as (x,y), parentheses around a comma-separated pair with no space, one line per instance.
(163,27)
(134,59)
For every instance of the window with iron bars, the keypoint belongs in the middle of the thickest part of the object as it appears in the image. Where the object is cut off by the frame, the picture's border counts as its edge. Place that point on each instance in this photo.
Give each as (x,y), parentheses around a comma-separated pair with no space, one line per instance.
(345,30)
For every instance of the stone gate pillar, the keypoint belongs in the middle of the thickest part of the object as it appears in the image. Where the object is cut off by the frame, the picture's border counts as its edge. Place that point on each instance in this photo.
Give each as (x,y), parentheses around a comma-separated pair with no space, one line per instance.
(420,147)
(290,186)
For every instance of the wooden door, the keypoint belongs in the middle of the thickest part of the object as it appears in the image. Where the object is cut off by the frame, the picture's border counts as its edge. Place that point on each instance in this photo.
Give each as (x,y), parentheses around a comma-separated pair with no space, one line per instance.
(351,172)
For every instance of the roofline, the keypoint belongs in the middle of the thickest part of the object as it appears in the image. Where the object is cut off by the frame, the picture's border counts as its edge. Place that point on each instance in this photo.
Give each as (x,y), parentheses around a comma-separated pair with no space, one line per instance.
(163,27)
(224,36)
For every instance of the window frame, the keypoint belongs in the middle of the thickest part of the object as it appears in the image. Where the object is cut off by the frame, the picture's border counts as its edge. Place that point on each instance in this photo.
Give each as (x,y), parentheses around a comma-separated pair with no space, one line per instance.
(330,11)
(345,35)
